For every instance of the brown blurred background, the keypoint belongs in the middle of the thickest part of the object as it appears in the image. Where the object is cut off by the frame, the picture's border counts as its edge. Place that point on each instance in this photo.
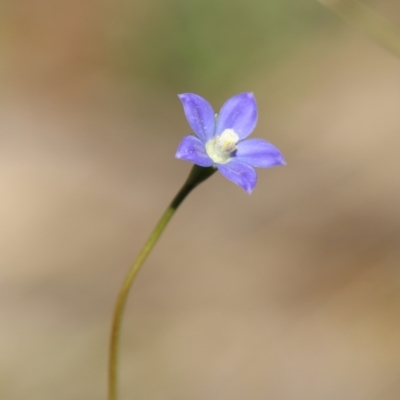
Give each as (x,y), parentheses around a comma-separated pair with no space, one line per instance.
(290,293)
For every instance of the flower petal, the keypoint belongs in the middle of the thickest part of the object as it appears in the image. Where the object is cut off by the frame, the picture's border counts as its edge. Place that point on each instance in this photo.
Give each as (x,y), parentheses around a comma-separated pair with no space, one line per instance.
(199,114)
(192,149)
(259,153)
(238,113)
(240,173)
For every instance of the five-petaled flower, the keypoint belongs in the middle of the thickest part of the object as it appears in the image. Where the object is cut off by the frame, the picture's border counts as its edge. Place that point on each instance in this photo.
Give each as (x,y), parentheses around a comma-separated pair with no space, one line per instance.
(220,139)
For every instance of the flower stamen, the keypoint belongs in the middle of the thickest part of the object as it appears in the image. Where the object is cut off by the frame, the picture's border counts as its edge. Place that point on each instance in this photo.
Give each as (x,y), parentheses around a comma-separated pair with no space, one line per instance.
(221,147)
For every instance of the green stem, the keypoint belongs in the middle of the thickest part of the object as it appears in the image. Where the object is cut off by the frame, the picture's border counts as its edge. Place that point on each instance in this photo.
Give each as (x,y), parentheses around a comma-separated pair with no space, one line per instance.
(196,176)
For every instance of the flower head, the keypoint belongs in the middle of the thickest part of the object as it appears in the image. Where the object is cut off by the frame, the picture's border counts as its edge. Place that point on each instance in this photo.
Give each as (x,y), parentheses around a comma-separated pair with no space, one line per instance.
(220,139)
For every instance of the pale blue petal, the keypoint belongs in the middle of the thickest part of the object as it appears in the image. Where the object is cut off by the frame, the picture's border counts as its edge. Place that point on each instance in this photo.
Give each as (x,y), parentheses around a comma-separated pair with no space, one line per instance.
(192,149)
(199,114)
(240,114)
(240,173)
(259,153)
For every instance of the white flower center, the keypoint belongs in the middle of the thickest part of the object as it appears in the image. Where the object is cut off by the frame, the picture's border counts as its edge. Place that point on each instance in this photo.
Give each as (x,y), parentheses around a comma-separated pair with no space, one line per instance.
(221,147)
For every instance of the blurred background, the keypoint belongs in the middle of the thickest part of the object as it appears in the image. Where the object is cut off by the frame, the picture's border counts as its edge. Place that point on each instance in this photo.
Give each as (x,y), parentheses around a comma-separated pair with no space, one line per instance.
(290,293)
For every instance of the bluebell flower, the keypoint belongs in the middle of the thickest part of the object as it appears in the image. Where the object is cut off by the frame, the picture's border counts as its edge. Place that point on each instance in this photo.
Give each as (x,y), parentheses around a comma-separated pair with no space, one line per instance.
(220,139)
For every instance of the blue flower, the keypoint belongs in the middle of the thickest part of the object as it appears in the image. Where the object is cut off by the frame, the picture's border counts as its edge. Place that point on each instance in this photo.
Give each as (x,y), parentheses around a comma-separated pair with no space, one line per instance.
(219,139)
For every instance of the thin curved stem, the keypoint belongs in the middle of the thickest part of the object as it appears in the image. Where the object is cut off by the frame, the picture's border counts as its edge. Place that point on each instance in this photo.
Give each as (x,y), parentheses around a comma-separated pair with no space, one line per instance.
(374,25)
(197,175)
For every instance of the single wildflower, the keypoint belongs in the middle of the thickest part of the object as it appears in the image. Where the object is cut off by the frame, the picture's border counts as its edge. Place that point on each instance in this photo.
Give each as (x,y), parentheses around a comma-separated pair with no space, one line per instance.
(220,139)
